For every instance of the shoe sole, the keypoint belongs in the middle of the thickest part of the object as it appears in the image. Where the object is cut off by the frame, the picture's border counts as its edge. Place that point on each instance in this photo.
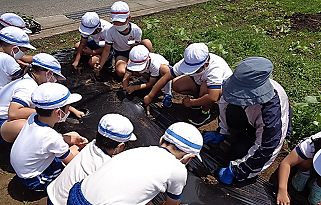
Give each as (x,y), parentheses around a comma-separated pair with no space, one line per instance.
(200,122)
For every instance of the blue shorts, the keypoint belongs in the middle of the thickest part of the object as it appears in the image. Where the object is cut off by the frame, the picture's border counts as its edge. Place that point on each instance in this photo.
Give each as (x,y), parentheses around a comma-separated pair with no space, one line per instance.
(76,197)
(2,141)
(198,87)
(121,53)
(40,182)
(92,44)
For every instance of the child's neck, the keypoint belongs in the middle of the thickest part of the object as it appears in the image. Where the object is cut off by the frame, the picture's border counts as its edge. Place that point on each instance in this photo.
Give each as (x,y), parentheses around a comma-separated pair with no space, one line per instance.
(47,120)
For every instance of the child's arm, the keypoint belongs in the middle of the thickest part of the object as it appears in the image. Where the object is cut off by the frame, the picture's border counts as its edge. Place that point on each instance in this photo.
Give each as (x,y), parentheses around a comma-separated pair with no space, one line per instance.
(73,138)
(126,79)
(82,45)
(157,87)
(284,171)
(212,96)
(18,111)
(78,113)
(104,56)
(149,84)
(73,152)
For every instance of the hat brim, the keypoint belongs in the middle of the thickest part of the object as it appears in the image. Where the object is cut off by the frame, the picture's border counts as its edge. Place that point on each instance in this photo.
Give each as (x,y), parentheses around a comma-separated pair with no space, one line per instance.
(317,162)
(244,96)
(133,137)
(74,97)
(136,66)
(27,46)
(26,30)
(120,19)
(188,70)
(87,31)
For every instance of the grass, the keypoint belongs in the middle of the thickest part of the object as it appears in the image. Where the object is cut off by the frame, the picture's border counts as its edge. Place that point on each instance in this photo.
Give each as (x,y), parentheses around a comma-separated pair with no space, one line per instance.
(236,30)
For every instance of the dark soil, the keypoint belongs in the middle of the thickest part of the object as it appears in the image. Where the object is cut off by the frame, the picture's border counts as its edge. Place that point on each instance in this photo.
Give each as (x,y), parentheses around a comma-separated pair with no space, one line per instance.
(310,22)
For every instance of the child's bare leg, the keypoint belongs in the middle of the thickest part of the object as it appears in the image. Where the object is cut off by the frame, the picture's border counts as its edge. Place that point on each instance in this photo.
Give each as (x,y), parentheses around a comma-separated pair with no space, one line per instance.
(11,129)
(121,63)
(148,44)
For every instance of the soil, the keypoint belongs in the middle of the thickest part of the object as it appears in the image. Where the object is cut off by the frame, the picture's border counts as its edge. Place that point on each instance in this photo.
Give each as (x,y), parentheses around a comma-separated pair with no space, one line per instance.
(13,192)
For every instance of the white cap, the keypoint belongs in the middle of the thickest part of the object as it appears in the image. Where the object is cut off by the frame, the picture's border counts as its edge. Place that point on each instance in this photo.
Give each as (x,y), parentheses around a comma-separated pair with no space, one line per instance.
(119,11)
(317,162)
(185,137)
(11,19)
(195,56)
(116,127)
(15,36)
(89,22)
(53,95)
(138,56)
(48,62)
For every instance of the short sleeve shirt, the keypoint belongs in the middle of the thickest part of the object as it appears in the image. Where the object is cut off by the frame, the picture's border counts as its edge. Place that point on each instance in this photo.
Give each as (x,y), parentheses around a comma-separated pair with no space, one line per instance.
(8,67)
(135,176)
(100,37)
(19,91)
(35,148)
(307,146)
(120,41)
(156,61)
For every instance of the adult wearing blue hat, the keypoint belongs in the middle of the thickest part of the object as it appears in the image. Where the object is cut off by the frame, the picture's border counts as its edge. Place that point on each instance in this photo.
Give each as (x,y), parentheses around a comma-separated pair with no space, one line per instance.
(255,110)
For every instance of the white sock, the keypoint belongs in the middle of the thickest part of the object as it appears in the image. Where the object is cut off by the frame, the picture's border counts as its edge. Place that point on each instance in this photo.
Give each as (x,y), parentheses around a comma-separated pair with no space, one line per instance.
(168,87)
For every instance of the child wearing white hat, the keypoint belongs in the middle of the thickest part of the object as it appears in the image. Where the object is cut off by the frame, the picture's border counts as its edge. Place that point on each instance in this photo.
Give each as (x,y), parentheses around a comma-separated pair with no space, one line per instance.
(114,130)
(123,35)
(91,25)
(149,67)
(15,98)
(200,74)
(14,42)
(305,154)
(11,19)
(45,151)
(137,175)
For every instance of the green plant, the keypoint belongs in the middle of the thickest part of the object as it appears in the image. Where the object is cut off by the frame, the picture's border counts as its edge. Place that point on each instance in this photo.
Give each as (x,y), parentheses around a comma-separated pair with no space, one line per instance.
(297,47)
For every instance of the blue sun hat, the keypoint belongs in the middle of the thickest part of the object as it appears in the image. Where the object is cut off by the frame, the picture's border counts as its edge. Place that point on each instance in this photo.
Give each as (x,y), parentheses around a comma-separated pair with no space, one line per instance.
(53,95)
(116,127)
(48,62)
(250,83)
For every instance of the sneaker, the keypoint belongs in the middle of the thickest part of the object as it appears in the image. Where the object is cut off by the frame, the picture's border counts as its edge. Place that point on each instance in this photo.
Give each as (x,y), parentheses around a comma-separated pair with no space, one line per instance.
(299,181)
(200,118)
(315,193)
(196,107)
(167,101)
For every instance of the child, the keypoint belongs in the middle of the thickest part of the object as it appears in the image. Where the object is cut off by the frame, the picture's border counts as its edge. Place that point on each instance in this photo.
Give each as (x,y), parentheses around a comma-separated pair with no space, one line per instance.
(14,42)
(200,74)
(45,151)
(137,175)
(15,98)
(123,35)
(306,154)
(114,131)
(97,28)
(148,66)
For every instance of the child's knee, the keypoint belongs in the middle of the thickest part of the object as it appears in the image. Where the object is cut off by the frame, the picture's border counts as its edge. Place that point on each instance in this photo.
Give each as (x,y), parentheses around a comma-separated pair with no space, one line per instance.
(77,45)
(148,44)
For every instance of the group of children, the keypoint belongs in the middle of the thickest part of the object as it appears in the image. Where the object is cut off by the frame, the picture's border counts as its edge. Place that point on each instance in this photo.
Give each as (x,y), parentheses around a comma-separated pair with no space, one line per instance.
(255,118)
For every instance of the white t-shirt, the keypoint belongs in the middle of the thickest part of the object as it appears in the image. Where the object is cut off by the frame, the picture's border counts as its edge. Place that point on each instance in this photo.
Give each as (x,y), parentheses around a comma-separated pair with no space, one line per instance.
(20,91)
(156,61)
(35,148)
(120,41)
(135,176)
(100,37)
(8,67)
(86,162)
(216,73)
(307,146)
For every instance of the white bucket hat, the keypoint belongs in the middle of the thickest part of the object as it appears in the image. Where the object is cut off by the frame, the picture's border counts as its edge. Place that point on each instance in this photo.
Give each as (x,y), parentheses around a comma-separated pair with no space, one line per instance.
(317,162)
(89,22)
(195,56)
(11,19)
(48,62)
(116,127)
(119,11)
(53,95)
(138,56)
(15,36)
(185,137)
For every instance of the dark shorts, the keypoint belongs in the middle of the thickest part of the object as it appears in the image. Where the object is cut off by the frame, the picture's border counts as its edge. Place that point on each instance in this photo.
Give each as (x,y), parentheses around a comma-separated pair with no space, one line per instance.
(40,182)
(121,53)
(198,87)
(2,141)
(92,44)
(76,197)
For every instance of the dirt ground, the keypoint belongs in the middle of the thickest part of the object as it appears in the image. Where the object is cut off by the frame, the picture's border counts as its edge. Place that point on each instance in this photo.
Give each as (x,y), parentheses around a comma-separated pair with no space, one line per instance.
(13,192)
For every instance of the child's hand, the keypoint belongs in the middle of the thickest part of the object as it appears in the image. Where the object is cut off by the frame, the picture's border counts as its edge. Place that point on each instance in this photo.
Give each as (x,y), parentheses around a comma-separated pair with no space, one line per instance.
(79,114)
(73,138)
(283,198)
(97,68)
(187,101)
(147,100)
(130,89)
